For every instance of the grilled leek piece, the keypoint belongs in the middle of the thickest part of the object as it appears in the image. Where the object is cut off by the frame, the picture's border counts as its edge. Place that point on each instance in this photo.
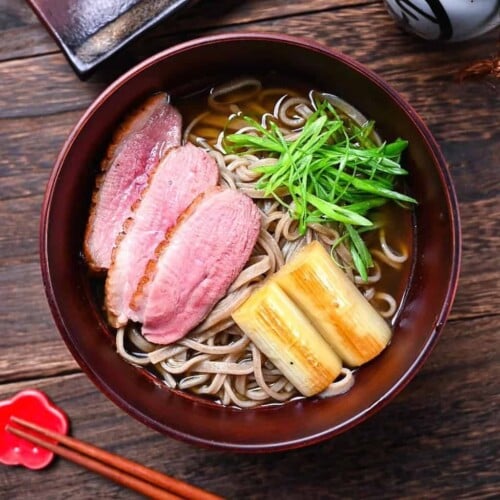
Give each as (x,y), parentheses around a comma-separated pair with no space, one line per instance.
(280,330)
(333,304)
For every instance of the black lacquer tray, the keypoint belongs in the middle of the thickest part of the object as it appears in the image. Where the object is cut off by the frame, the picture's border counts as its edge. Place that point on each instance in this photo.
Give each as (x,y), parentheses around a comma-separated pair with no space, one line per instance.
(90,31)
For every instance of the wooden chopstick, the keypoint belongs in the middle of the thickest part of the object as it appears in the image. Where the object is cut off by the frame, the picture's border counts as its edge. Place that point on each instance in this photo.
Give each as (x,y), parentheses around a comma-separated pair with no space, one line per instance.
(121,470)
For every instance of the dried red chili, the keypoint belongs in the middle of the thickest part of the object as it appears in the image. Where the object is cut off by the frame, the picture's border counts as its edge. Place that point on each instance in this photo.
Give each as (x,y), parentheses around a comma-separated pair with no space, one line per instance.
(481,68)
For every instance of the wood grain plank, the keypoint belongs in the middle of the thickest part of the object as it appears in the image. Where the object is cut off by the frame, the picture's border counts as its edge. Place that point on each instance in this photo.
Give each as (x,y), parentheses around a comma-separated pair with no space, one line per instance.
(30,147)
(20,221)
(439,436)
(472,165)
(53,87)
(27,41)
(30,345)
(21,34)
(27,137)
(480,245)
(234,13)
(15,15)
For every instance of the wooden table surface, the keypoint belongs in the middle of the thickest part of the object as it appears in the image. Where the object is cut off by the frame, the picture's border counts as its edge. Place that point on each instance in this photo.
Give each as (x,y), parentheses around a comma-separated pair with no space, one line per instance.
(439,438)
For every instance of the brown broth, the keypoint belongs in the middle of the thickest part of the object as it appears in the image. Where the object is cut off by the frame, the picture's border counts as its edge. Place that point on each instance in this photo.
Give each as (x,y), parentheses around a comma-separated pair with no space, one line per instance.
(398,223)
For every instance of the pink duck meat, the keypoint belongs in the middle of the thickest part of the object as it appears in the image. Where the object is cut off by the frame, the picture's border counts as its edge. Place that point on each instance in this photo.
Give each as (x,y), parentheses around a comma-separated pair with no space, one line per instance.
(183,174)
(136,148)
(197,262)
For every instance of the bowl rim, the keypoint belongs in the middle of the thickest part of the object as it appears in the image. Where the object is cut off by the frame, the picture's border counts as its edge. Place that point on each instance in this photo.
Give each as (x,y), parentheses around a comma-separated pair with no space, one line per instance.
(451,204)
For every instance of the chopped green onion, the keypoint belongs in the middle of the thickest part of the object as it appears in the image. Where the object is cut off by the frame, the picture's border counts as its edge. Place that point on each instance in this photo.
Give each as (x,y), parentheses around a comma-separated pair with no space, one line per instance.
(332,170)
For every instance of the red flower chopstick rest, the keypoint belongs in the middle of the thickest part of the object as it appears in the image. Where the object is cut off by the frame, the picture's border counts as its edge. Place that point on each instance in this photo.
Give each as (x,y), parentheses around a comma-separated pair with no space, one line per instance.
(34,406)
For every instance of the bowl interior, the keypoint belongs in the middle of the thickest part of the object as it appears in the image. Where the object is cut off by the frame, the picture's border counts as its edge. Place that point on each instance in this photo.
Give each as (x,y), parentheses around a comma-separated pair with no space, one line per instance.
(429,295)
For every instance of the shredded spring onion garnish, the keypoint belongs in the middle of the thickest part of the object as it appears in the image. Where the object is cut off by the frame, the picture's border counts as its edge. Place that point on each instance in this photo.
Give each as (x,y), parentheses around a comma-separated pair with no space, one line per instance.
(330,171)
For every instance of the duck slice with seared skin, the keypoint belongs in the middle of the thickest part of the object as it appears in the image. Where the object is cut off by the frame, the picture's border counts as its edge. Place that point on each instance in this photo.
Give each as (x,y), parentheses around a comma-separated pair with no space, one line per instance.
(136,148)
(182,174)
(197,262)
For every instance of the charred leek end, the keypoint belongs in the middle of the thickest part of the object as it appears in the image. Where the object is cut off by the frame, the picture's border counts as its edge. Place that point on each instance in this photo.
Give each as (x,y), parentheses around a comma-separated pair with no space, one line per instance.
(333,304)
(280,330)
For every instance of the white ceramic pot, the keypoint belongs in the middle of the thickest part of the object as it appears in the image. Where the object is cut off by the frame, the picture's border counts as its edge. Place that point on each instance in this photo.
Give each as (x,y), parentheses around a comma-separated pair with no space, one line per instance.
(449,20)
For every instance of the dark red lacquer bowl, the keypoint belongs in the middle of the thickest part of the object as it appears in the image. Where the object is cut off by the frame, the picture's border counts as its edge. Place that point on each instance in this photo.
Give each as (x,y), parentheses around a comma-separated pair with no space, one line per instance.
(429,294)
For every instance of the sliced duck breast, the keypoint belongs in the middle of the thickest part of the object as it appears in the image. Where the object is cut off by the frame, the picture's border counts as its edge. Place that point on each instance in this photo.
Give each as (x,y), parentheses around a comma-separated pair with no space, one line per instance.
(136,148)
(197,262)
(182,174)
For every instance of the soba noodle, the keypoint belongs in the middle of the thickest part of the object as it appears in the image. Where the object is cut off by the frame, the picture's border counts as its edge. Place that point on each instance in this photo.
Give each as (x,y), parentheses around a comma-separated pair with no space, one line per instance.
(216,359)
